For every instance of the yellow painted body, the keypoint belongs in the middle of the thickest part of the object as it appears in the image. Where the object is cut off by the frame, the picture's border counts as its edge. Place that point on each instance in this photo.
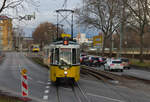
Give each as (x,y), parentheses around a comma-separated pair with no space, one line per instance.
(56,72)
(36,49)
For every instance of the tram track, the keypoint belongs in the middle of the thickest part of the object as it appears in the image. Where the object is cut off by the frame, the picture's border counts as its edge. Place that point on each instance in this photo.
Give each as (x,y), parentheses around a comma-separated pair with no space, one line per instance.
(97,74)
(111,77)
(78,95)
(58,94)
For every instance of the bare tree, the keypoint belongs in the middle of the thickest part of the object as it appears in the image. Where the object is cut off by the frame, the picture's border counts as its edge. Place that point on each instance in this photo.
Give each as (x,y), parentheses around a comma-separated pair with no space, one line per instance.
(139,18)
(101,14)
(45,33)
(16,4)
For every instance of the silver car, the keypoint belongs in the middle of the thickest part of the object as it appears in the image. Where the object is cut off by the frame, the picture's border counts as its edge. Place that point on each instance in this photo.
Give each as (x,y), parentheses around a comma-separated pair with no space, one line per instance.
(113,65)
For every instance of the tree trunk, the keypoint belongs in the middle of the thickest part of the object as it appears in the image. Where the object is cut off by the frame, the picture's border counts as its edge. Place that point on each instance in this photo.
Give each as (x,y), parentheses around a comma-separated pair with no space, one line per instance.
(3,6)
(141,47)
(104,45)
(110,48)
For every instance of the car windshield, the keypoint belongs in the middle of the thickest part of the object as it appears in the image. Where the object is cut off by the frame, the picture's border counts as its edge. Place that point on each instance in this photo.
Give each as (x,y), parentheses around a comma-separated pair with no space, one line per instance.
(116,62)
(95,58)
(65,56)
(125,60)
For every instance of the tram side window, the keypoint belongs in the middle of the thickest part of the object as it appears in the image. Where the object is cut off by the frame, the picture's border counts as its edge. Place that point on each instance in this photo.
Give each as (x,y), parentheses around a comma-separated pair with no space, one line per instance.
(47,52)
(52,56)
(78,55)
(74,56)
(56,61)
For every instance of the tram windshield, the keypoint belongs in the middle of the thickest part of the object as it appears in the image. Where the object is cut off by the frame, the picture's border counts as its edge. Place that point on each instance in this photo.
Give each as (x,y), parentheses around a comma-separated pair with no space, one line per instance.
(65,56)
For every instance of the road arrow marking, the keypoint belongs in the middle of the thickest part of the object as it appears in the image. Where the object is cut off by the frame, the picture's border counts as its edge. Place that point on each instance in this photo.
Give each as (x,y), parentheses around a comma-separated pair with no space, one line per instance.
(108,98)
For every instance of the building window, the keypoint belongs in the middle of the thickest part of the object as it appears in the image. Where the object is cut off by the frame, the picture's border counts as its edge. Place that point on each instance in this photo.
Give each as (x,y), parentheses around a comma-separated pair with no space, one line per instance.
(1,33)
(1,21)
(1,28)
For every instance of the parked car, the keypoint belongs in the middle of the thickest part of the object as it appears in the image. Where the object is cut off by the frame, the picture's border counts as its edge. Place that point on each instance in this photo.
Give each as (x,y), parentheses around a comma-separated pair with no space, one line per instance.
(84,60)
(82,56)
(114,64)
(102,60)
(125,62)
(91,61)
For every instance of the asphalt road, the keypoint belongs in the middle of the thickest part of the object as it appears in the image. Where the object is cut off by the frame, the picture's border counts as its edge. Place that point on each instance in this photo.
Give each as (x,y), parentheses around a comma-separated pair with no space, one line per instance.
(142,74)
(10,77)
(41,90)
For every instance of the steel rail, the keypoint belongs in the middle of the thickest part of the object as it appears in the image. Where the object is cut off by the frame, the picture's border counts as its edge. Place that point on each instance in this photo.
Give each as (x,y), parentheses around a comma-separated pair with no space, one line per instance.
(57,92)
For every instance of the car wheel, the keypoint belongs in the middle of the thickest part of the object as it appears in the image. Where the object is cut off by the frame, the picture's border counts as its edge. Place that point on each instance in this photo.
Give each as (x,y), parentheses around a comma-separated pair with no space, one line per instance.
(104,67)
(109,69)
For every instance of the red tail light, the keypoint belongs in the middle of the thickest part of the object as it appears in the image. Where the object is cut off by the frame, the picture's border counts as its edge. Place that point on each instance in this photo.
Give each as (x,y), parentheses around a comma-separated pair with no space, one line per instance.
(100,60)
(122,64)
(111,64)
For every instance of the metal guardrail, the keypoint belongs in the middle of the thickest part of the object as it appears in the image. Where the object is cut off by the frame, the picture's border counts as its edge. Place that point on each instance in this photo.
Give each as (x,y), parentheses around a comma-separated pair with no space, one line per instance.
(126,51)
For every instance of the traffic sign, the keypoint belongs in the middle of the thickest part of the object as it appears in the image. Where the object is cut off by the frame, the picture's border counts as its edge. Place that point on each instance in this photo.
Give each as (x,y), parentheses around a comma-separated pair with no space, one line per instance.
(98,40)
(23,71)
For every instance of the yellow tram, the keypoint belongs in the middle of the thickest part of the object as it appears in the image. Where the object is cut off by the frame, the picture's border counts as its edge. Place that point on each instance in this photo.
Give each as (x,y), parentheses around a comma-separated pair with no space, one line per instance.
(63,59)
(35,48)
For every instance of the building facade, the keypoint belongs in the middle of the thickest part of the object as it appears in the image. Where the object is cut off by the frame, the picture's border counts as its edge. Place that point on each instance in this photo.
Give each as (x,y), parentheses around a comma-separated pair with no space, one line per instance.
(6,37)
(81,38)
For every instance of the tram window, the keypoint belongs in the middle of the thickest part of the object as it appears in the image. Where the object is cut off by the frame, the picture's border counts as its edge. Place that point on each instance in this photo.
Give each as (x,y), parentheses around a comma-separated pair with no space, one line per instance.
(52,56)
(47,52)
(73,56)
(56,61)
(78,55)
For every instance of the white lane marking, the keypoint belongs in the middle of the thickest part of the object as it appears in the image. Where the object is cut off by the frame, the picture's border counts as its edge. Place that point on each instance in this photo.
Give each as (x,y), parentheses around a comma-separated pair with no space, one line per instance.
(108,98)
(41,82)
(45,97)
(49,83)
(47,87)
(46,91)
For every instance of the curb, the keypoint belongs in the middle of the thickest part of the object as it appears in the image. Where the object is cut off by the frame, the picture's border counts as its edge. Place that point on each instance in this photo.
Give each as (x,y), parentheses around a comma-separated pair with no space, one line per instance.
(140,68)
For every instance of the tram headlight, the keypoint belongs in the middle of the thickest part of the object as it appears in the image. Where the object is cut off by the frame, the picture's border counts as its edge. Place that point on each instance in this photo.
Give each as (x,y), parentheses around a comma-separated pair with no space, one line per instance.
(65,72)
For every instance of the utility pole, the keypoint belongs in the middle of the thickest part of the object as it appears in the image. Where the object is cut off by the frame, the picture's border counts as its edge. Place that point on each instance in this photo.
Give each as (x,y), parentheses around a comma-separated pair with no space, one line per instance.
(121,29)
(121,38)
(1,45)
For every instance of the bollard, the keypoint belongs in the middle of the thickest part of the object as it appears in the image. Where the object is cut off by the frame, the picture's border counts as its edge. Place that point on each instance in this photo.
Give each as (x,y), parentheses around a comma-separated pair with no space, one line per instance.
(24,84)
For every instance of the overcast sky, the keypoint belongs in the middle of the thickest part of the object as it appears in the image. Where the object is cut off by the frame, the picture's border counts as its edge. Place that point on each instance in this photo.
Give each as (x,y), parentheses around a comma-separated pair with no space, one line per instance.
(46,12)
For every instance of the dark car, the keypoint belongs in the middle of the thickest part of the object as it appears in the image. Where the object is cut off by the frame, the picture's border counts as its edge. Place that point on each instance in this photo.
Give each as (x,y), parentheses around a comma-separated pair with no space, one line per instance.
(82,56)
(125,62)
(91,61)
(102,60)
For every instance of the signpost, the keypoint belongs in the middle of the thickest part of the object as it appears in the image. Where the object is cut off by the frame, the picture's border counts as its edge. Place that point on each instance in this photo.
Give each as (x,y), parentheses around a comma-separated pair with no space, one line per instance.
(98,42)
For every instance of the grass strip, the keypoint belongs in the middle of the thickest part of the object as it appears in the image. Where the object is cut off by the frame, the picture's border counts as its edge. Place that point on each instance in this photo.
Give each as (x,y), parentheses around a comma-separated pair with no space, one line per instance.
(145,64)
(4,98)
(38,61)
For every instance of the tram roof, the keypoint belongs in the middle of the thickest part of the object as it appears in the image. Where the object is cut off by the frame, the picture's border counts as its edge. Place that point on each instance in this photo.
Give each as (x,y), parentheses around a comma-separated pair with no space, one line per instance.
(71,44)
(59,44)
